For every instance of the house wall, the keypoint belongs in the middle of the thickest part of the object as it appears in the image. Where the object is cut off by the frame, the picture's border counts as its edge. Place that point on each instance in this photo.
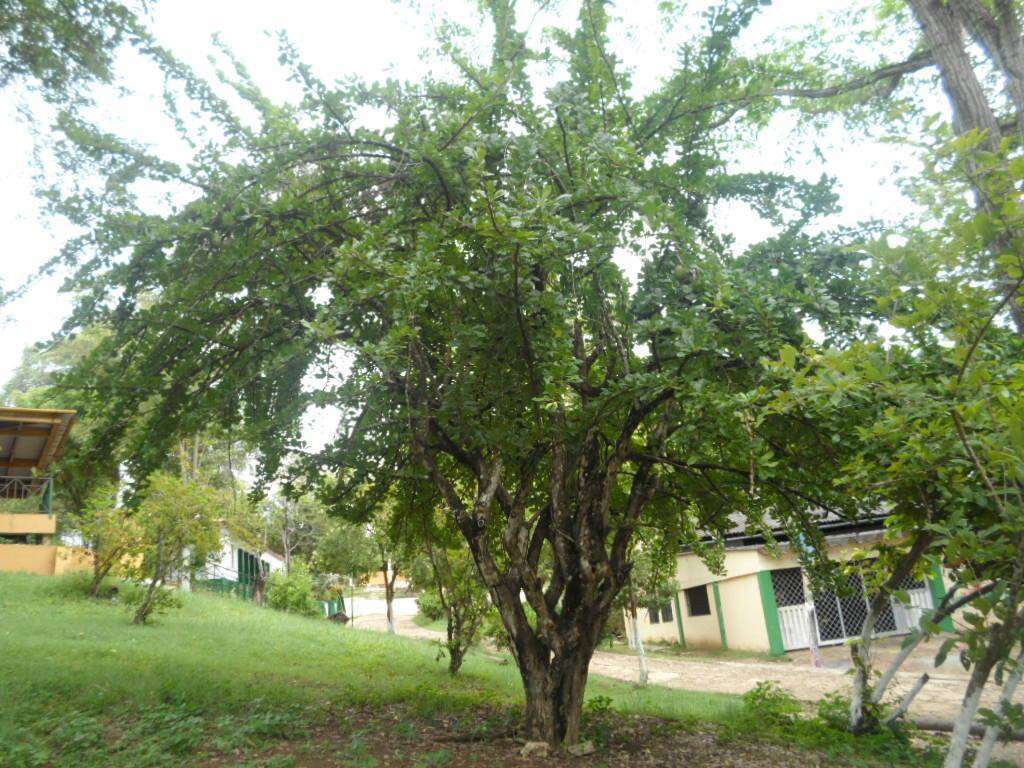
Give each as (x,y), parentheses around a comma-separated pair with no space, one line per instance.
(72,560)
(662,632)
(43,559)
(739,593)
(701,631)
(224,563)
(743,613)
(20,524)
(28,558)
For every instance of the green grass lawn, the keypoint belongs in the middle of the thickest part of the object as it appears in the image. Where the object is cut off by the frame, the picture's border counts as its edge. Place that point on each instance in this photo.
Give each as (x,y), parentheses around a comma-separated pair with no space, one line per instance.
(222,682)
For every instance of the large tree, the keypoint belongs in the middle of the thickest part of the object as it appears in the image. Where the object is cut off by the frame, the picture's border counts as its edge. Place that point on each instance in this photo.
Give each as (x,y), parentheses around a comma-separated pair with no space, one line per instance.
(452,278)
(59,46)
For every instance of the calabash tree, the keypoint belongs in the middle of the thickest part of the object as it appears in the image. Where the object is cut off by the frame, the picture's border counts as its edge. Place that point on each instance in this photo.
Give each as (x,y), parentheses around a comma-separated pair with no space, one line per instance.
(450,282)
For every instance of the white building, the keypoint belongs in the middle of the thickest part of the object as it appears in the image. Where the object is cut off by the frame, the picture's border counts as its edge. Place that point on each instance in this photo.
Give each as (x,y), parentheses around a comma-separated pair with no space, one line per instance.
(237,563)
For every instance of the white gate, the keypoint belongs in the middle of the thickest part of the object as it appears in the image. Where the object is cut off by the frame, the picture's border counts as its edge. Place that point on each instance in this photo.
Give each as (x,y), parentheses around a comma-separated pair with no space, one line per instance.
(840,617)
(793,620)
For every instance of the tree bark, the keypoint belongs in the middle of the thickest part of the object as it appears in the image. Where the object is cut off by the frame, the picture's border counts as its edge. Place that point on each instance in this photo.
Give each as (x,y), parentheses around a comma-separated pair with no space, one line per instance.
(554,697)
(943,24)
(984,755)
(390,574)
(101,568)
(962,726)
(862,716)
(638,641)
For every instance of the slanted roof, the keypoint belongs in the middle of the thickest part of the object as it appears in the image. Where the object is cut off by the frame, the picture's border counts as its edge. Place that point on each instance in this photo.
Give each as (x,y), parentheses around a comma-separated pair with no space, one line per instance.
(31,439)
(829,523)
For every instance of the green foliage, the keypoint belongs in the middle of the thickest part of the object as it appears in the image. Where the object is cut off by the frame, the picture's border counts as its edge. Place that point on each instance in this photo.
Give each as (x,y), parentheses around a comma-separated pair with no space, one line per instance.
(345,549)
(461,255)
(174,529)
(292,591)
(429,605)
(60,47)
(771,703)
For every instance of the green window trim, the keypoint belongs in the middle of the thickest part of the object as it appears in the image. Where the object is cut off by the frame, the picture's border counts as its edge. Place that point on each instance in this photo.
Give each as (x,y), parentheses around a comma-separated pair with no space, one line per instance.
(938,588)
(679,619)
(721,618)
(771,613)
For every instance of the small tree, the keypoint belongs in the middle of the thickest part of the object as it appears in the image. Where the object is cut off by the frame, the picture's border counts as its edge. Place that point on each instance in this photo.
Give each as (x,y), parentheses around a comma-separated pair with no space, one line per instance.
(463,599)
(178,531)
(292,591)
(111,533)
(651,584)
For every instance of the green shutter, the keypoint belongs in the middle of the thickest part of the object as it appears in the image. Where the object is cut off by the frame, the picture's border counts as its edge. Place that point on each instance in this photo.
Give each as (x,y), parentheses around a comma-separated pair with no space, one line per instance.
(938,587)
(771,613)
(679,619)
(721,618)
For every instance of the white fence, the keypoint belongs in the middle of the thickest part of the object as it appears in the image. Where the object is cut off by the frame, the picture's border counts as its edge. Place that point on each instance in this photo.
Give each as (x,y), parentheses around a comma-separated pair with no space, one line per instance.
(794,623)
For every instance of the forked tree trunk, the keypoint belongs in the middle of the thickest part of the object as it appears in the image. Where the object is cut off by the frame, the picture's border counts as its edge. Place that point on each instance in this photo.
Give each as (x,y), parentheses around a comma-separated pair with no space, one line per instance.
(554,681)
(149,599)
(554,697)
(863,716)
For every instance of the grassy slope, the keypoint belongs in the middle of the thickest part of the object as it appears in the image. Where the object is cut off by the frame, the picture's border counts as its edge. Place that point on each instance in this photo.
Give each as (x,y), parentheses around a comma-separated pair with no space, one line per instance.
(219,652)
(76,676)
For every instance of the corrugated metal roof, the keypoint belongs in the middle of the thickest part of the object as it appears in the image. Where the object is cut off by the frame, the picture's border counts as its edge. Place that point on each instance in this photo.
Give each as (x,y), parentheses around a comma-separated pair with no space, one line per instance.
(31,439)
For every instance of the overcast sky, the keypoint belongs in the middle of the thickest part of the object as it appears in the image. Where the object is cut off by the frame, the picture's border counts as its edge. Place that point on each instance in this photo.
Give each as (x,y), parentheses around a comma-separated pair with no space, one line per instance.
(376,39)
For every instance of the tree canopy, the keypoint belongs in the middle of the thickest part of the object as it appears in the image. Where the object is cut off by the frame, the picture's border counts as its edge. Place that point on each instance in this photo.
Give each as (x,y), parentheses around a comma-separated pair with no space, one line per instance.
(510,284)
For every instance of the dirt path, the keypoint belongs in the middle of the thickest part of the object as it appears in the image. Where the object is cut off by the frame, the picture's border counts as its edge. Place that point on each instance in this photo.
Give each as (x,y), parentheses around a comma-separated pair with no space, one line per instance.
(940,699)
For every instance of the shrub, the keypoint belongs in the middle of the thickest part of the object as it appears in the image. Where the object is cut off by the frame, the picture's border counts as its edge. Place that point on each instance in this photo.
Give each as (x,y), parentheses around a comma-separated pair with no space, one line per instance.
(292,592)
(161,600)
(430,606)
(78,585)
(771,704)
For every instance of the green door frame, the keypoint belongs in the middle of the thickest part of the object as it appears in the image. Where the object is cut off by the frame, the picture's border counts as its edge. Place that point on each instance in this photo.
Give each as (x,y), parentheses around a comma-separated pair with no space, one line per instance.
(721,618)
(772,622)
(938,589)
(679,619)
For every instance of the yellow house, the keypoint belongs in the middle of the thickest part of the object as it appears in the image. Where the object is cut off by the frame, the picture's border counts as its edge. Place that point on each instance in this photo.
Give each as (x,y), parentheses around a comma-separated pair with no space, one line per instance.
(763,601)
(30,441)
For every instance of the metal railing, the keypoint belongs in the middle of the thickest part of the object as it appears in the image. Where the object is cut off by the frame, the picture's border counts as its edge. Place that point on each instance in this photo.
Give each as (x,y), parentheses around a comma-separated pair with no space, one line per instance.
(27,488)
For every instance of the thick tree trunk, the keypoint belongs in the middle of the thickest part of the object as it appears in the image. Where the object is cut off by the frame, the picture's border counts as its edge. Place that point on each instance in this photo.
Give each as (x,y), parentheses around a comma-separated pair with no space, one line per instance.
(554,697)
(456,653)
(942,23)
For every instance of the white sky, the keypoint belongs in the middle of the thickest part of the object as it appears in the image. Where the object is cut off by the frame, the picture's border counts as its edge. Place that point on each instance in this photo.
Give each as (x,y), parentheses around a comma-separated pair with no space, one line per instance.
(377,39)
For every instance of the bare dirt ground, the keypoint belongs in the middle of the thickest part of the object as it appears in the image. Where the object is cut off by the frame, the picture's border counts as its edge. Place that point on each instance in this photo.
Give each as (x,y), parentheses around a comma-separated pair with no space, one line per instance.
(396,737)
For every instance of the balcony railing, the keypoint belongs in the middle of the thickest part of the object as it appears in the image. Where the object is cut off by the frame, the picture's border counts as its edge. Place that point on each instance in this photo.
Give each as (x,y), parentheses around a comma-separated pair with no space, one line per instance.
(27,488)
